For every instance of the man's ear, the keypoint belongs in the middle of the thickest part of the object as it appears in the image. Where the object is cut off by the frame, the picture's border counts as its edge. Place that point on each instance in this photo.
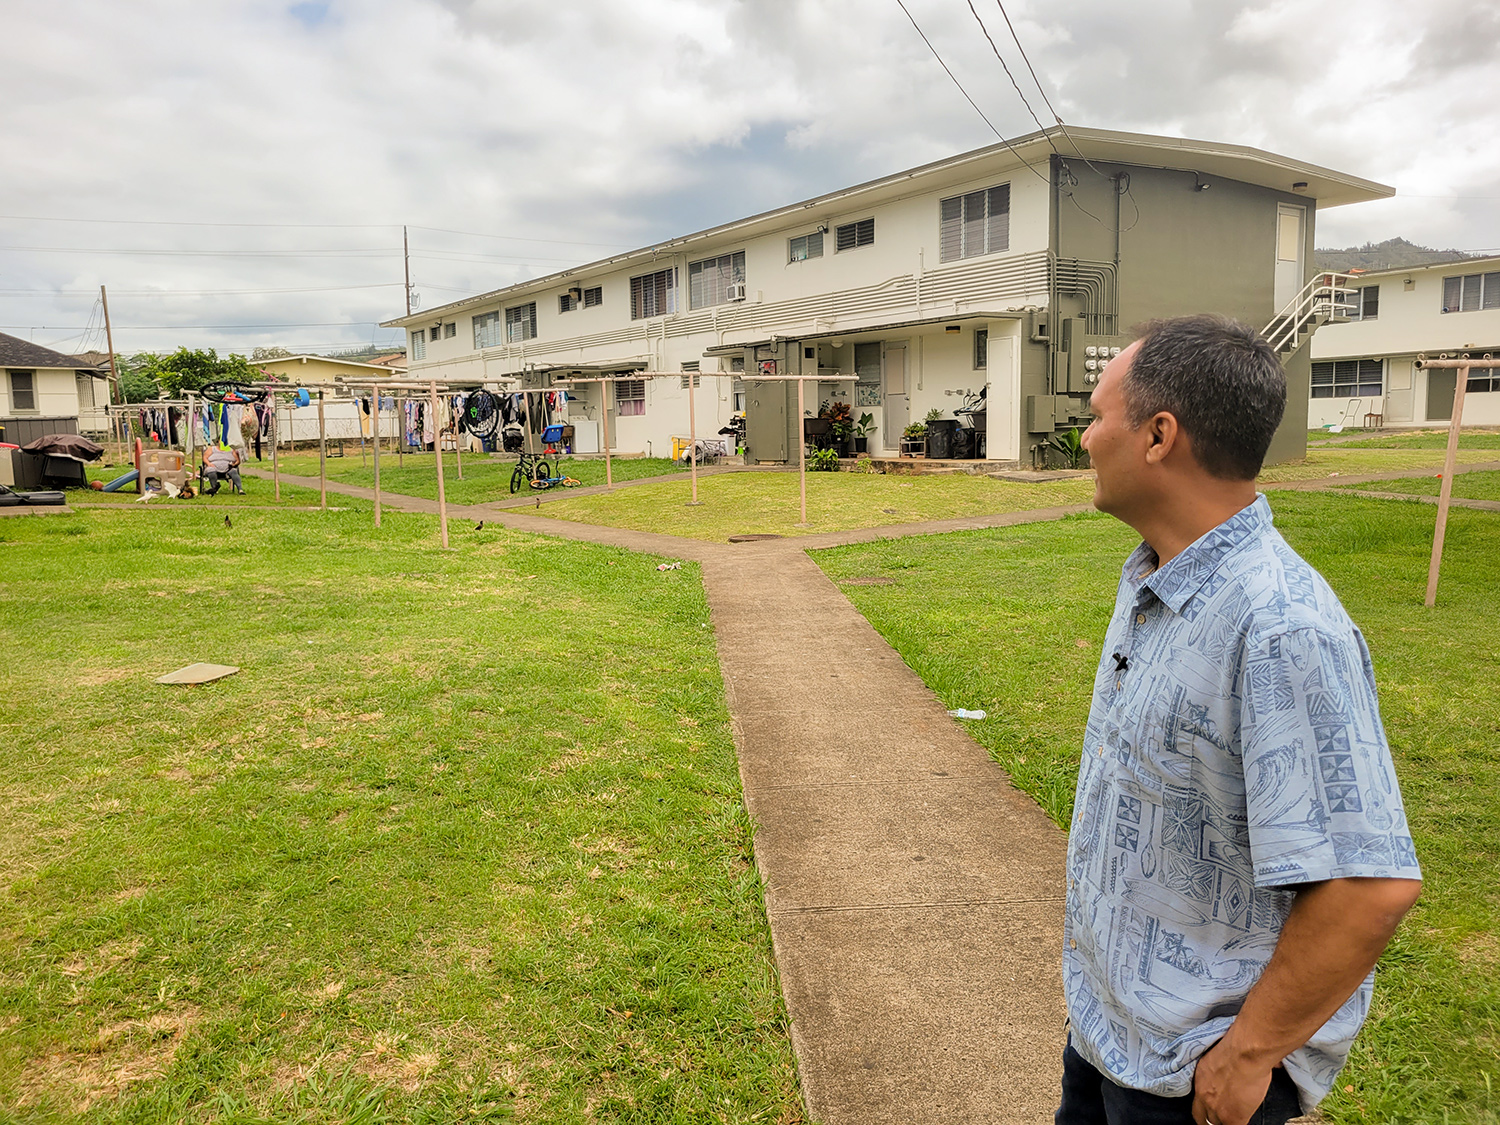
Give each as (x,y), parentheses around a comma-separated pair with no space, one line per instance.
(1163,435)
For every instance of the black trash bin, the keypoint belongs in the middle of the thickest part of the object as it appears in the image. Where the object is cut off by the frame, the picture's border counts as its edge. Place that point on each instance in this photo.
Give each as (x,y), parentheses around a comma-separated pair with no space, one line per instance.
(963,444)
(940,438)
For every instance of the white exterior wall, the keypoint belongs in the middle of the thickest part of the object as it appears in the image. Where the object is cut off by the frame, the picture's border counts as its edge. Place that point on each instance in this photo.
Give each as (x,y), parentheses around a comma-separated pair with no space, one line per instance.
(56,393)
(1410,322)
(897,279)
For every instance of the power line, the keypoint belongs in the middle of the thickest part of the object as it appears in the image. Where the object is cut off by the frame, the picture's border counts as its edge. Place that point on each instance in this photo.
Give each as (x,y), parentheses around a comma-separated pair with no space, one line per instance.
(203,292)
(351,252)
(173,327)
(965,93)
(1009,75)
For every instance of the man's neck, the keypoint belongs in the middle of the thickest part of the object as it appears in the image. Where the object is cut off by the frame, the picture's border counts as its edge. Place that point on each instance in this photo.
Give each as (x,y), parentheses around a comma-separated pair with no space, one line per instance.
(1182,516)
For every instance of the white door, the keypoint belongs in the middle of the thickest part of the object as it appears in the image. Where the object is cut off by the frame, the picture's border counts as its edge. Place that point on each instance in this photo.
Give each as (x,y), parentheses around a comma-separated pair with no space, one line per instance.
(1290,235)
(1398,390)
(897,404)
(1002,401)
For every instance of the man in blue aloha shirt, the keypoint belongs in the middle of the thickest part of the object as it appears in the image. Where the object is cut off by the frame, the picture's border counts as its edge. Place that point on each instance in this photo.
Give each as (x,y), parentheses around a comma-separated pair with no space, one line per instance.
(1239,855)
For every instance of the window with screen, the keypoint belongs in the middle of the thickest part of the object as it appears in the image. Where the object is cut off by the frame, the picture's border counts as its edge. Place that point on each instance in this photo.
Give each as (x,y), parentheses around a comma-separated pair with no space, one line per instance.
(851,236)
(419,344)
(805,246)
(23,392)
(981,349)
(1348,378)
(520,323)
(1471,292)
(630,397)
(653,294)
(710,279)
(487,330)
(974,224)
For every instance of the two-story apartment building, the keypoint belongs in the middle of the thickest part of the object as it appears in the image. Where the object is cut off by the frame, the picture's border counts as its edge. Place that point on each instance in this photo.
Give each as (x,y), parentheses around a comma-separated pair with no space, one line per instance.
(1365,366)
(1006,269)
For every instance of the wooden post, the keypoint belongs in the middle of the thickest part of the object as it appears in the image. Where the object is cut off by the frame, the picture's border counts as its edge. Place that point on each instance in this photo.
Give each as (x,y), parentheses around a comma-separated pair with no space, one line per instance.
(400,433)
(437,449)
(801,451)
(1450,462)
(375,429)
(322,457)
(604,389)
(692,378)
(187,433)
(275,445)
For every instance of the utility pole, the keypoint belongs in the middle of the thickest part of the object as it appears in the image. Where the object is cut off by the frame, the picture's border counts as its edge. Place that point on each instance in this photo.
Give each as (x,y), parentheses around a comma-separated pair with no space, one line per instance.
(406,259)
(109,339)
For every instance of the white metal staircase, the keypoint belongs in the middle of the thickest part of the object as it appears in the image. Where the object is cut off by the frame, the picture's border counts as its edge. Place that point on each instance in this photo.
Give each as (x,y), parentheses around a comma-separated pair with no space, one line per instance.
(1328,297)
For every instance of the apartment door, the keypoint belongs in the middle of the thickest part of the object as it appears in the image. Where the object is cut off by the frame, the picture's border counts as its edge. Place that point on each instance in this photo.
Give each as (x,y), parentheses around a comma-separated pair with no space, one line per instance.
(1398,390)
(766,419)
(1442,386)
(894,391)
(1290,237)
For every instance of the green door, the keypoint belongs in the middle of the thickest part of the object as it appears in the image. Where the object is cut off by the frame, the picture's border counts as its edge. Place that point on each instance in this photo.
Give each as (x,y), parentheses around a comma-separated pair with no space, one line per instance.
(1440,388)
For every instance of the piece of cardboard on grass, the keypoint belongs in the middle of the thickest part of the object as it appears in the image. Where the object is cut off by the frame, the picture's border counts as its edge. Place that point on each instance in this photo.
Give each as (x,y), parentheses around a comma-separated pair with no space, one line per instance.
(198,674)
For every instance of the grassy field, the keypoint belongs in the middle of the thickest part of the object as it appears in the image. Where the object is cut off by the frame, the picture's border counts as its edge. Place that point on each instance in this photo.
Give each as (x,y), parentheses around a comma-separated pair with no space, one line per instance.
(462,840)
(1347,460)
(1011,621)
(1470,486)
(768,503)
(486,478)
(1421,439)
(258,494)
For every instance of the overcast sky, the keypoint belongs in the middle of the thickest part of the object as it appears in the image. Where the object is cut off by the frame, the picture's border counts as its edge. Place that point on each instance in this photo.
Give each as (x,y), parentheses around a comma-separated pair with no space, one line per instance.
(238,172)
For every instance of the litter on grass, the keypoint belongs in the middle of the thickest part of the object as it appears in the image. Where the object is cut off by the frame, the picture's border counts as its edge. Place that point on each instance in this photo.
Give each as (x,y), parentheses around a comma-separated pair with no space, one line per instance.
(669,566)
(962,713)
(199,673)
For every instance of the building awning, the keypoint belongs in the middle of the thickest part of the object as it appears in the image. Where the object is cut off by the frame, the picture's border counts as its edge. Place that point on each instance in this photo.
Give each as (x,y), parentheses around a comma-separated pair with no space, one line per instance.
(862,330)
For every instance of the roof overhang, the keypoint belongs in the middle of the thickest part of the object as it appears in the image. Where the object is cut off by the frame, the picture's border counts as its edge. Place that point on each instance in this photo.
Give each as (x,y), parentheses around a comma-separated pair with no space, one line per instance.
(861,330)
(1329,188)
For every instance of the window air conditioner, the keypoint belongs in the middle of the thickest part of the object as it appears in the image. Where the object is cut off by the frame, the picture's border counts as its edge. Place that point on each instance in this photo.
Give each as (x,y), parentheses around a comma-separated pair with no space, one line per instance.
(735,291)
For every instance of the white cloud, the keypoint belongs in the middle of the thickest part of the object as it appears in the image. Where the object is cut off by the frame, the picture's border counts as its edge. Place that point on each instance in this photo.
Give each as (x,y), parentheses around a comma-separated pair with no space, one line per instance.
(614,124)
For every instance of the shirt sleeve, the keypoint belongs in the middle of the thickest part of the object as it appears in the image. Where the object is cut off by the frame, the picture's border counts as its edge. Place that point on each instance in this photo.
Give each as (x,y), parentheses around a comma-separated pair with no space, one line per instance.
(1320,788)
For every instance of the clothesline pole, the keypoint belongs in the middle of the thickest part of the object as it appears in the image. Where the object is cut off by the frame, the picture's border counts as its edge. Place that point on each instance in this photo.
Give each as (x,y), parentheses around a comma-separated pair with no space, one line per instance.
(400,432)
(693,434)
(322,457)
(275,446)
(604,388)
(801,451)
(375,416)
(437,449)
(1450,463)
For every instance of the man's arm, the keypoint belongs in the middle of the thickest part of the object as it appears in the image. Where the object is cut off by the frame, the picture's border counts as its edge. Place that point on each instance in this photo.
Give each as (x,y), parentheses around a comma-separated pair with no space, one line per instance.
(1333,936)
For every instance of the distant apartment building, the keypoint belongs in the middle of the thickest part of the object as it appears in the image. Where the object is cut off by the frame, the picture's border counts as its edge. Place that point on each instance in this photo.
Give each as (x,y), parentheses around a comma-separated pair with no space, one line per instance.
(1015,270)
(1366,365)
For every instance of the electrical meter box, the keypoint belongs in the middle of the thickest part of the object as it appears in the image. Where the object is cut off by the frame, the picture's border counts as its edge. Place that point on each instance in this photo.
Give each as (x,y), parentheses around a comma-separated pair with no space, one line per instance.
(1082,357)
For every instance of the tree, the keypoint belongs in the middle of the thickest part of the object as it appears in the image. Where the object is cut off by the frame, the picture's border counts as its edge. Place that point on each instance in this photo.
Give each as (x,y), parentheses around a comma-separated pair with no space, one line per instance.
(185,370)
(136,383)
(259,354)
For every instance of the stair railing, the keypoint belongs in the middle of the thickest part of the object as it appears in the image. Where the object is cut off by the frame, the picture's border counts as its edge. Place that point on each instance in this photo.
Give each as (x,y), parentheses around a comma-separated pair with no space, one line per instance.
(1327,296)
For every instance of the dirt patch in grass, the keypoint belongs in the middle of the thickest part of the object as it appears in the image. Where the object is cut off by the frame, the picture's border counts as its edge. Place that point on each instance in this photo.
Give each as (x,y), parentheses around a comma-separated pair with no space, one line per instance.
(120,1055)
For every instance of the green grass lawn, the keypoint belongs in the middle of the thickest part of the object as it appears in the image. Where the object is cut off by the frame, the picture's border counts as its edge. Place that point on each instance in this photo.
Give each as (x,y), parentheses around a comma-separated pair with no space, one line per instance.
(485,478)
(768,503)
(1340,460)
(258,494)
(1470,486)
(1011,621)
(462,840)
(1422,439)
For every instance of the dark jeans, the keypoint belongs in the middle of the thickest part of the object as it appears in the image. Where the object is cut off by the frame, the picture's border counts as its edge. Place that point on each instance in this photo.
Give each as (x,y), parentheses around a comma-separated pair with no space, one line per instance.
(232,475)
(1089,1098)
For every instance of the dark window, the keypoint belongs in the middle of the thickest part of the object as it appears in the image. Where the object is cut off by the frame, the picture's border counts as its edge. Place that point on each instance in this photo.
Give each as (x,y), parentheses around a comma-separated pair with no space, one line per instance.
(1348,378)
(853,235)
(23,392)
(867,361)
(974,224)
(450,330)
(592,297)
(1363,304)
(520,323)
(1470,292)
(437,331)
(805,246)
(981,348)
(1483,379)
(653,294)
(711,280)
(566,303)
(486,330)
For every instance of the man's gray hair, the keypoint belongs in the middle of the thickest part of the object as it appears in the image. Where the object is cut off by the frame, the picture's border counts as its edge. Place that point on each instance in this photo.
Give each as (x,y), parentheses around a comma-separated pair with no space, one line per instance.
(1220,380)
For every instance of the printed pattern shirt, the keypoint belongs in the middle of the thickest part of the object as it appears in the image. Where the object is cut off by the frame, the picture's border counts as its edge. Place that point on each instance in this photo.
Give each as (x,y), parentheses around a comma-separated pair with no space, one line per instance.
(1234,751)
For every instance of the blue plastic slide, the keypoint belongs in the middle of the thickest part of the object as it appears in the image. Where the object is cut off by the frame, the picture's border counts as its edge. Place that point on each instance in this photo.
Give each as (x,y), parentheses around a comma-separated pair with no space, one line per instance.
(120,482)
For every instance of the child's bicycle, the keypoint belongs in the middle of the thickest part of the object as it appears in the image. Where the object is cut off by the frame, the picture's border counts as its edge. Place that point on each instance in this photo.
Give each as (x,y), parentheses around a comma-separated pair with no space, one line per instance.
(535,470)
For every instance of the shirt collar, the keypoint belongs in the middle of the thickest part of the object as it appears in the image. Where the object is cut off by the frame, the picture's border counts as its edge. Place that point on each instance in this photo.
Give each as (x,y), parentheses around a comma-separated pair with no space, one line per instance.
(1177,581)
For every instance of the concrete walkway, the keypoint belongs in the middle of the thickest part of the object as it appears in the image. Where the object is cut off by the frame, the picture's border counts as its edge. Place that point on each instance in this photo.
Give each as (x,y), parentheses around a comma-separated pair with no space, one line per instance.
(914,896)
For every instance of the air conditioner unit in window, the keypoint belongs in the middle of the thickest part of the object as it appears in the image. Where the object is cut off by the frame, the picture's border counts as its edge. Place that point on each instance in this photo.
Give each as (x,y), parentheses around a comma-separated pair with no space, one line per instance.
(735,291)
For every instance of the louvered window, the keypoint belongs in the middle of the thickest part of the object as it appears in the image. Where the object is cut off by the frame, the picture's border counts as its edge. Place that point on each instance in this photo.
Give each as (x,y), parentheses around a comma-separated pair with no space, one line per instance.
(1348,378)
(630,397)
(1483,379)
(419,344)
(592,297)
(450,330)
(805,246)
(974,224)
(1470,292)
(853,235)
(520,323)
(487,330)
(981,349)
(710,279)
(566,302)
(653,294)
(437,332)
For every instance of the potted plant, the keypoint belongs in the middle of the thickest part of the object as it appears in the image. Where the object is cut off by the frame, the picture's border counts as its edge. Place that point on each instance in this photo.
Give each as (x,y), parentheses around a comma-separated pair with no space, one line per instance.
(862,433)
(840,425)
(940,435)
(914,440)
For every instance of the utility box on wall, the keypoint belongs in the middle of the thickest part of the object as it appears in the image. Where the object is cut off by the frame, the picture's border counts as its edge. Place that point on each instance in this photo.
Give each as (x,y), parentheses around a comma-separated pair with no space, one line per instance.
(1047,413)
(1082,357)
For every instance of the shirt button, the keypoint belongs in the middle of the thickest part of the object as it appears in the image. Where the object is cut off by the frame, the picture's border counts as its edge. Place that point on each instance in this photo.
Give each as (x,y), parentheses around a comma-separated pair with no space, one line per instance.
(1072,943)
(1140,618)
